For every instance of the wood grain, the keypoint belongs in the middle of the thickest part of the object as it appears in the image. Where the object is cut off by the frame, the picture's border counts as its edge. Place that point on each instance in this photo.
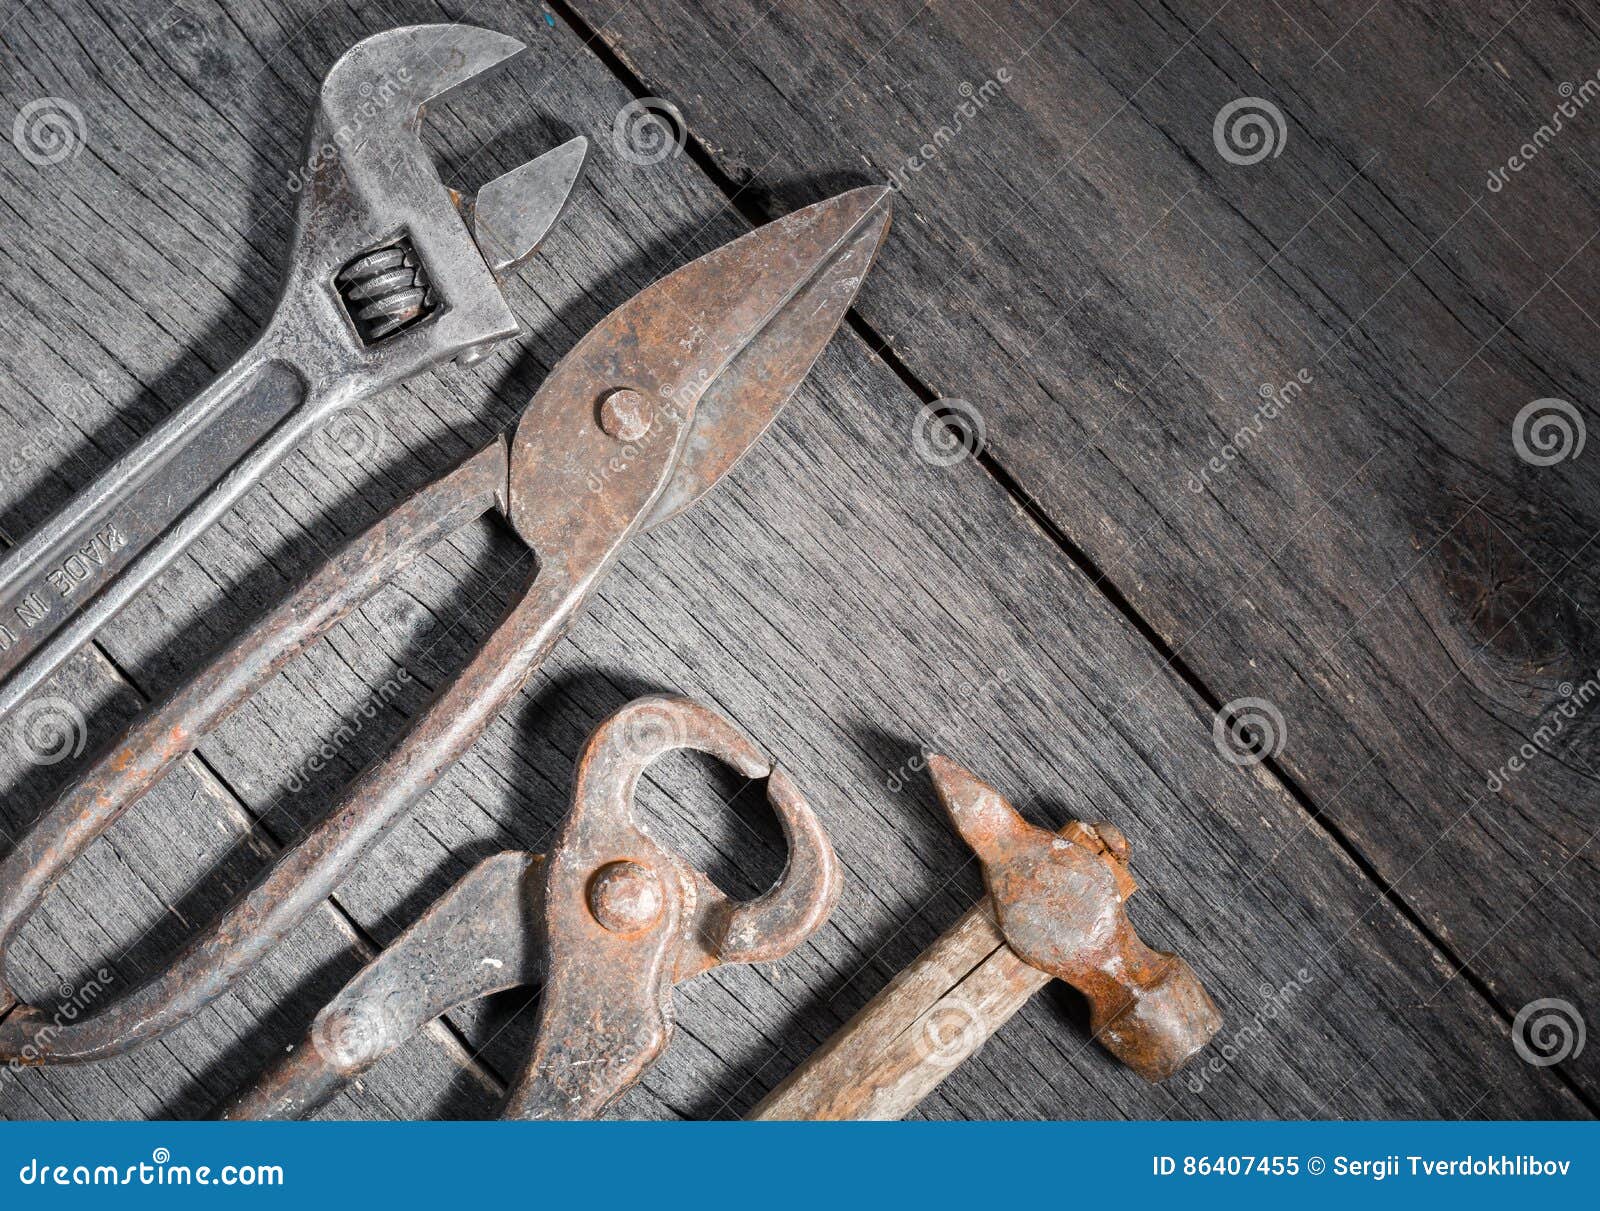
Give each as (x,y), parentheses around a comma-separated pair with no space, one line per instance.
(843,599)
(930,1017)
(1079,261)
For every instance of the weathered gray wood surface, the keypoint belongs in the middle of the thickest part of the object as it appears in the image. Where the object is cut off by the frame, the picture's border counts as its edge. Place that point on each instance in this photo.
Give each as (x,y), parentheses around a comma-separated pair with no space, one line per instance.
(1112,293)
(841,598)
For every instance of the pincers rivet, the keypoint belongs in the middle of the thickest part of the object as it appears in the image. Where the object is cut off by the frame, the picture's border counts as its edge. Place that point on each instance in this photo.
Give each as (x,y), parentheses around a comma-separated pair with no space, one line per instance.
(625,896)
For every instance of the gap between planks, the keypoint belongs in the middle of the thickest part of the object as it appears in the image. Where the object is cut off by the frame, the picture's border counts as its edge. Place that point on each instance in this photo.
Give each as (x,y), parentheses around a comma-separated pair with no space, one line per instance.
(366,947)
(880,348)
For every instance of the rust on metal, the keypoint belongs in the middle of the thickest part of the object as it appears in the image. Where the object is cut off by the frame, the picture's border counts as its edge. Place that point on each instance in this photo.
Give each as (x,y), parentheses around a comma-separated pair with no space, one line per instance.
(610,919)
(1058,899)
(389,274)
(715,348)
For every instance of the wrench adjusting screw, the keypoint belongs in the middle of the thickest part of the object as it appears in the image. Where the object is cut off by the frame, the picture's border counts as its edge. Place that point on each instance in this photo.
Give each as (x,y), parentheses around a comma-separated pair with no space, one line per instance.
(385,291)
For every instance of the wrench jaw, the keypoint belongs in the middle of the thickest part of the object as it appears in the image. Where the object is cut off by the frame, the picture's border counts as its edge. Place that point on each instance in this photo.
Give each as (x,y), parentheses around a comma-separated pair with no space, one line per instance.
(513,213)
(386,277)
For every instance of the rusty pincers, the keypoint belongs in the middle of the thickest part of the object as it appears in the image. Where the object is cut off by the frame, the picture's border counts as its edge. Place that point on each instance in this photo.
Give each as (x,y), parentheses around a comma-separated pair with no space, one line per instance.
(610,919)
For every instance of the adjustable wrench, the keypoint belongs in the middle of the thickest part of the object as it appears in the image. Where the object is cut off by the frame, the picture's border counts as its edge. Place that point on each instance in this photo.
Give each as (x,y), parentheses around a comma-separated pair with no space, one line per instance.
(390,273)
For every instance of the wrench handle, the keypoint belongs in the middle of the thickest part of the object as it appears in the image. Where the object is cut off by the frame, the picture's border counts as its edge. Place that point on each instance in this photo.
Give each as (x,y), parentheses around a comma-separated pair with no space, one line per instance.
(72,575)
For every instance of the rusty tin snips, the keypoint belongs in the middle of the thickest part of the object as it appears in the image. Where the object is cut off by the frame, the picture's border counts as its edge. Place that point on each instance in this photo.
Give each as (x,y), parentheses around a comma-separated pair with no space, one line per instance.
(644,415)
(609,921)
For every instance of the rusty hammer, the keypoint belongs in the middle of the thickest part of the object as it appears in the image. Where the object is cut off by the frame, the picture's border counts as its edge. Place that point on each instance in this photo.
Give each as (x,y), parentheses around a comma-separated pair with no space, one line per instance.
(1054,909)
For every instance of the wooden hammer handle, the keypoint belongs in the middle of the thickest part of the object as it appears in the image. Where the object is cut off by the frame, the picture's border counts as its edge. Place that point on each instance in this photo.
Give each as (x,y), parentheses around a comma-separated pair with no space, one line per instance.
(909,1037)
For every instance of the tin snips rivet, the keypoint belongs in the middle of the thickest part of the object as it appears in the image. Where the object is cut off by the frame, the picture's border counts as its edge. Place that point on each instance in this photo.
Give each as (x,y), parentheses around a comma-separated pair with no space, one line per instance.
(626,415)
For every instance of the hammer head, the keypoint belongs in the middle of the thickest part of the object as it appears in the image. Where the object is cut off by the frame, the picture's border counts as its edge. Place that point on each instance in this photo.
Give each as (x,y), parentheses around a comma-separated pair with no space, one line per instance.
(391,271)
(1058,900)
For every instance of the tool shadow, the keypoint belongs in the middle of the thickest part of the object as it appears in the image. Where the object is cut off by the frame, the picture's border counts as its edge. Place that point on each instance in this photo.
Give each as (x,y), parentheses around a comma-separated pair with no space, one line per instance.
(241,579)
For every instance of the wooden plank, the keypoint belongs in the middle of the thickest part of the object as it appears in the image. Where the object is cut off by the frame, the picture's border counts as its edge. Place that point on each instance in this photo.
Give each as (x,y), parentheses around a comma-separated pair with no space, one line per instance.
(1078,259)
(129,901)
(839,597)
